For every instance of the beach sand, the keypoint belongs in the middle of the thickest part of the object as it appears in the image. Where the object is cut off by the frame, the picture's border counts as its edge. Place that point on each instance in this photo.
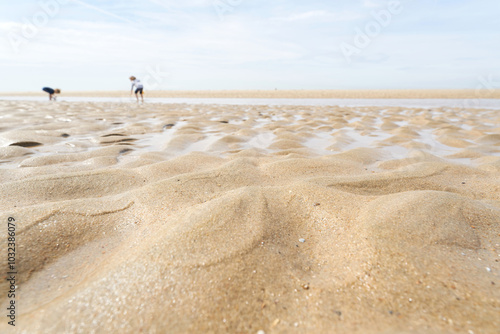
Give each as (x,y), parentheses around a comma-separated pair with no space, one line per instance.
(161,218)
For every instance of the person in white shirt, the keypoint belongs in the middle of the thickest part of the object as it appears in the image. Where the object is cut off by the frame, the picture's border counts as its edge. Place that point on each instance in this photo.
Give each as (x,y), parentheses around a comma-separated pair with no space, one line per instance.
(139,88)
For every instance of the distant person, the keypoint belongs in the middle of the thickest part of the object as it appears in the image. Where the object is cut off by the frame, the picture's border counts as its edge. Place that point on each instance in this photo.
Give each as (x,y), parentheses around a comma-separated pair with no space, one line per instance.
(139,88)
(52,92)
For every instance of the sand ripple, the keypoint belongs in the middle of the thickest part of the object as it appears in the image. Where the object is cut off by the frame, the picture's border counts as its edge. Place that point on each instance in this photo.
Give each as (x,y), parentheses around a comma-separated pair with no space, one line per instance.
(226,219)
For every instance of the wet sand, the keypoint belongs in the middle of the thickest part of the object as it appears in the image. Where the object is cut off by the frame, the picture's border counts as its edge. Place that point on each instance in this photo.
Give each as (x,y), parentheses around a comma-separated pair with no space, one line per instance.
(184,218)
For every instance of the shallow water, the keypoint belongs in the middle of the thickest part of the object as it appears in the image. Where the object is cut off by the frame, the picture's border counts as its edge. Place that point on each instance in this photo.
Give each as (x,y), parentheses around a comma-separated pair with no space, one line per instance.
(223,131)
(413,103)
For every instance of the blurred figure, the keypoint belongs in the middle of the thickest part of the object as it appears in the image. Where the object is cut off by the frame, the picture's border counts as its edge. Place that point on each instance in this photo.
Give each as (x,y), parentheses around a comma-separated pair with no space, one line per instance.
(139,88)
(51,92)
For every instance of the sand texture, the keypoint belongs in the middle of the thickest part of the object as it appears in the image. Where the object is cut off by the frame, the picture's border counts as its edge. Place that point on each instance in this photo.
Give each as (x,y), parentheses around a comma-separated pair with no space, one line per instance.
(180,218)
(482,93)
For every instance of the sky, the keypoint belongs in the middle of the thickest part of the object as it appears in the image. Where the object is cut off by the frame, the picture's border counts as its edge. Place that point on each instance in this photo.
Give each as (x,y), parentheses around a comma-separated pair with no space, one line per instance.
(249,44)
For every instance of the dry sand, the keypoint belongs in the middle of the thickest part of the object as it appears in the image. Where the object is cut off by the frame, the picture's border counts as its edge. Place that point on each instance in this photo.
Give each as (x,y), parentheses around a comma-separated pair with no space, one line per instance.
(482,93)
(234,219)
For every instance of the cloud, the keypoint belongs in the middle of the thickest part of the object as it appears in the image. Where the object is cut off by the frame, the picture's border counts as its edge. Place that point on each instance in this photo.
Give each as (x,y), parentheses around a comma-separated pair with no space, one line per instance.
(374,3)
(314,14)
(319,16)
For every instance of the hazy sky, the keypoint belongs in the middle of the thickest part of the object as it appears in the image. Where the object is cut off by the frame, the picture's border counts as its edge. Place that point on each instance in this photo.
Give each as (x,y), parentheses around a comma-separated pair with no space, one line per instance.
(248,44)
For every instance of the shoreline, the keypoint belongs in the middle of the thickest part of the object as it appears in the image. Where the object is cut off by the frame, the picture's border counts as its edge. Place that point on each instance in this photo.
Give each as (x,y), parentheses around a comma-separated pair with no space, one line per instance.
(289,94)
(476,104)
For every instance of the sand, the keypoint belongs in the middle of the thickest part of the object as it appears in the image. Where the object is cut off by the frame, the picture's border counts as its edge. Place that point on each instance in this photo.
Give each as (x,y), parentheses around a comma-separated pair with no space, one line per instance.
(183,218)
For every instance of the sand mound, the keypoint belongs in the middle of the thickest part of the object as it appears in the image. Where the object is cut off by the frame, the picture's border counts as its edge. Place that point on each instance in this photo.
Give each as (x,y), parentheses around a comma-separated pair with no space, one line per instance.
(404,218)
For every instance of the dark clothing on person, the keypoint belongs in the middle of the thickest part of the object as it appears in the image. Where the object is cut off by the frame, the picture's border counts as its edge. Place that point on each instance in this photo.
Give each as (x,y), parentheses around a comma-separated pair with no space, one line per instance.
(48,90)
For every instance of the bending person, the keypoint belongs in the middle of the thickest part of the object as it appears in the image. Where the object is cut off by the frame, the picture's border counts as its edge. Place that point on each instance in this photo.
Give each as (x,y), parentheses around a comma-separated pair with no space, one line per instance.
(51,92)
(139,88)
